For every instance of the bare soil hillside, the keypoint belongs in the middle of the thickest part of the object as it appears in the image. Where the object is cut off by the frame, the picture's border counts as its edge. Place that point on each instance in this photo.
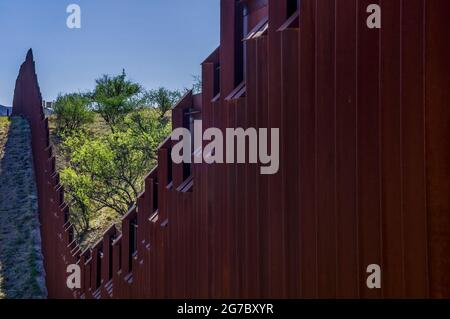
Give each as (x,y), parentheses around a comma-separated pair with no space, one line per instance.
(21,267)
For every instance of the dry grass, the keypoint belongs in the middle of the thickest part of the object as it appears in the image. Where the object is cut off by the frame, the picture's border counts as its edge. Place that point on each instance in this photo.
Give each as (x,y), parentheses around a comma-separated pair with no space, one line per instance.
(21,267)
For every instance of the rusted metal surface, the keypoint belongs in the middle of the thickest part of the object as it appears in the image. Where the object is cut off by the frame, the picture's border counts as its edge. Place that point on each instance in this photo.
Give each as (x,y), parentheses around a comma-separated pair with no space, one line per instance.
(55,231)
(364,167)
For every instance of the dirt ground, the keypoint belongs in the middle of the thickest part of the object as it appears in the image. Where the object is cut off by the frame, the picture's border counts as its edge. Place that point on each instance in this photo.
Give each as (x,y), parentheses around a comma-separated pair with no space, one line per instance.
(21,267)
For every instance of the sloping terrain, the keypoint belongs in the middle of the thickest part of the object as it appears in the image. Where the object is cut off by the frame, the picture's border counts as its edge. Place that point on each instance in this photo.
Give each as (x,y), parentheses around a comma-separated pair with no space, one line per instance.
(21,267)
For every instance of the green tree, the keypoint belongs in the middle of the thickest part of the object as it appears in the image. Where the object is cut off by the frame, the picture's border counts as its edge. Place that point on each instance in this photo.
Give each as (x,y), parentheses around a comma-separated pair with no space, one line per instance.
(115,97)
(108,172)
(78,187)
(72,112)
(197,86)
(162,99)
(148,128)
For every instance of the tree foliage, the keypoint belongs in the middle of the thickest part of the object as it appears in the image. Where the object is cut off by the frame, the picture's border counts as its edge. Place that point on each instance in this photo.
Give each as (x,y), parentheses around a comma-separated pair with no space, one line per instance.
(105,169)
(108,171)
(162,99)
(72,112)
(198,83)
(115,97)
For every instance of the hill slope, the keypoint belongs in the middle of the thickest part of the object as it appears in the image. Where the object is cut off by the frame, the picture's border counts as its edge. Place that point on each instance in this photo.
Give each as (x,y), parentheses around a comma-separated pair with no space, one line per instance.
(21,270)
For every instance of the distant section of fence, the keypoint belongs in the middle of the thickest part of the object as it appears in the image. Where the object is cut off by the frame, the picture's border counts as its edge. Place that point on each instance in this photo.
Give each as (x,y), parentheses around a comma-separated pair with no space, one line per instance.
(364,165)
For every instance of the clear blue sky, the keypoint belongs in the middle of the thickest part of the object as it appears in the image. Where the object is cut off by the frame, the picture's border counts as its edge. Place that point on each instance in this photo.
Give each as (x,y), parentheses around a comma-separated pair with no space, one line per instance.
(158,42)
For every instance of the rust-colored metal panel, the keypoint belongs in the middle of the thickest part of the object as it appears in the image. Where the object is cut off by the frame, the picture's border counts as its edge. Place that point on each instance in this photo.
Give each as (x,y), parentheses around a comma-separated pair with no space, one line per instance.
(240,209)
(413,149)
(263,181)
(364,167)
(437,97)
(368,148)
(391,139)
(289,101)
(250,216)
(347,277)
(325,143)
(308,149)
(277,271)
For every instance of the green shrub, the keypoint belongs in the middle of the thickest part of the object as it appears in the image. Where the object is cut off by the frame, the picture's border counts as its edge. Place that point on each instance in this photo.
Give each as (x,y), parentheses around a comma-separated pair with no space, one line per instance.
(72,112)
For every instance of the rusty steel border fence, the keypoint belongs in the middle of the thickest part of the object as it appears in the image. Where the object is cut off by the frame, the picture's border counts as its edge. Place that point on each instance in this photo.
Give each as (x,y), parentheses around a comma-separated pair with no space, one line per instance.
(364,166)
